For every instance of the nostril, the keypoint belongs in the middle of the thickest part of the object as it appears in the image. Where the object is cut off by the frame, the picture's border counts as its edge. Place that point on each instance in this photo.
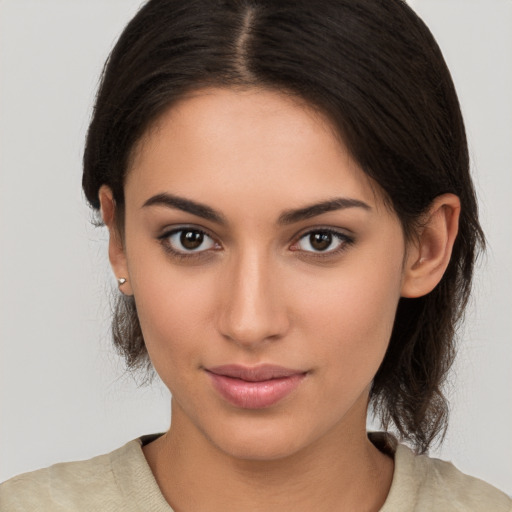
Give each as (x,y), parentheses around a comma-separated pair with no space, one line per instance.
(253,327)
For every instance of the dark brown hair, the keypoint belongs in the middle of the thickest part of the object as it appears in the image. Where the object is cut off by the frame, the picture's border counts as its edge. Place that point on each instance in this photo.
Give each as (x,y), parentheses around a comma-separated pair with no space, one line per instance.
(375,70)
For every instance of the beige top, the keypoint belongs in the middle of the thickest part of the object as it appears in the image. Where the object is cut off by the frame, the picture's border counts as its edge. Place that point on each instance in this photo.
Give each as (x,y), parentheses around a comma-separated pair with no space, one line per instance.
(122,480)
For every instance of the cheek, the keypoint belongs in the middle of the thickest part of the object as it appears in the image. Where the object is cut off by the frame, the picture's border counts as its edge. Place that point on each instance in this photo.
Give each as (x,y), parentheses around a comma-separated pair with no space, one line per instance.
(352,317)
(174,309)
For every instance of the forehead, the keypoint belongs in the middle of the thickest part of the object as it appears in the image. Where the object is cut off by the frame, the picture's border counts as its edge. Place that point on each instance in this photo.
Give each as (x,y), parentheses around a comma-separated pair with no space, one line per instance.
(218,142)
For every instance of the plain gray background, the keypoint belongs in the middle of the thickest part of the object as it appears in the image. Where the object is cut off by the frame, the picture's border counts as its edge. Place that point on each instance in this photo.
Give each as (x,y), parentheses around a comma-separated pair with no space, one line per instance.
(63,393)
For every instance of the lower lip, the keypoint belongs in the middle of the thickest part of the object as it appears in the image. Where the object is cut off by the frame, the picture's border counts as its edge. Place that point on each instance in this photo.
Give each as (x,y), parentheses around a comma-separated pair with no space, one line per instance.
(255,395)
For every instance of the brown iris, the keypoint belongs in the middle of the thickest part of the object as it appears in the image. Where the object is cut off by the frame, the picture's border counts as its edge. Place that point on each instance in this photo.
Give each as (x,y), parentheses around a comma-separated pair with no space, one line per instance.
(191,239)
(320,241)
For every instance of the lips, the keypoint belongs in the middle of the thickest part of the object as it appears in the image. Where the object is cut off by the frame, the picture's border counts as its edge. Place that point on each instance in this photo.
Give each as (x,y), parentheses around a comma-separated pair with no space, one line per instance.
(254,387)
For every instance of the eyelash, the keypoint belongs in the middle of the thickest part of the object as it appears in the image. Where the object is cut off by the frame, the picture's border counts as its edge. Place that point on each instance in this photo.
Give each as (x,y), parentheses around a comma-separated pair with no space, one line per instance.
(345,242)
(179,255)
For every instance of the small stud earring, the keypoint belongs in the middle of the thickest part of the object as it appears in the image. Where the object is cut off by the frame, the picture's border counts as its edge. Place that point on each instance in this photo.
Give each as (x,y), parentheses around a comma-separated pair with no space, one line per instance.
(121,281)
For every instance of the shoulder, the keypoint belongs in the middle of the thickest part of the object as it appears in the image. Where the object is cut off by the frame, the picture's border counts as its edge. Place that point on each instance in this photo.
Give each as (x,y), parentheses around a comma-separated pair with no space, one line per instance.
(445,484)
(431,484)
(72,486)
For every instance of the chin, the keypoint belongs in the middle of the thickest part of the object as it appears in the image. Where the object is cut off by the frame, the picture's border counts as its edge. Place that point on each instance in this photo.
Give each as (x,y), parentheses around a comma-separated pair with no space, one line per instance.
(260,440)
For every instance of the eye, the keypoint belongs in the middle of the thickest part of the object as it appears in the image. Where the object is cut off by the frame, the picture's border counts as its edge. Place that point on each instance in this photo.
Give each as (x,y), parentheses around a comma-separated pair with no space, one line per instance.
(322,241)
(188,240)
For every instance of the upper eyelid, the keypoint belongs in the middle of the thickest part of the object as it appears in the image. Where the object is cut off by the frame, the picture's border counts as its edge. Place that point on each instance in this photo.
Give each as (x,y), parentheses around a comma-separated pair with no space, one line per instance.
(168,231)
(342,232)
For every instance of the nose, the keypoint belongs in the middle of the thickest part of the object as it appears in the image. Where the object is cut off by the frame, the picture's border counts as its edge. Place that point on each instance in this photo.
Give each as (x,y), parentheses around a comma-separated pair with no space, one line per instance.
(253,309)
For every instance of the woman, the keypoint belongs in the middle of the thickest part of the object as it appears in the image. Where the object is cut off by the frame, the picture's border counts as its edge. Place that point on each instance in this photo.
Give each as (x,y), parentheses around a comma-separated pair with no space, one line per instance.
(293,227)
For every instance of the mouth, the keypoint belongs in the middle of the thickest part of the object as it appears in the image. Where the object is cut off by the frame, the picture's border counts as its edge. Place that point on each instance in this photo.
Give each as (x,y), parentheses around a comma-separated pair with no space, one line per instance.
(255,387)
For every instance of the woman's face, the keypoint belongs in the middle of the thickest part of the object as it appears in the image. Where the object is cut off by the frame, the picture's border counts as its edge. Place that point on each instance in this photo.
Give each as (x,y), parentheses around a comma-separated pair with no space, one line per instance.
(265,268)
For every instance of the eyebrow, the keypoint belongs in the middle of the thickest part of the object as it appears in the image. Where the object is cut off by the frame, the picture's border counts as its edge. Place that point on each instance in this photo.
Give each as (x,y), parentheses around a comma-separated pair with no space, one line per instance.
(287,217)
(186,205)
(341,203)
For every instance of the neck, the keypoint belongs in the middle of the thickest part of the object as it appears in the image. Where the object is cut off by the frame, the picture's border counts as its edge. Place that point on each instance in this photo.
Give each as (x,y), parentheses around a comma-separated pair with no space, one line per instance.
(340,471)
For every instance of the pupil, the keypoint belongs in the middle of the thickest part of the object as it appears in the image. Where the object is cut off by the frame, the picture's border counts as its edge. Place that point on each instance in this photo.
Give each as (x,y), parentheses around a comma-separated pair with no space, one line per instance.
(191,239)
(320,241)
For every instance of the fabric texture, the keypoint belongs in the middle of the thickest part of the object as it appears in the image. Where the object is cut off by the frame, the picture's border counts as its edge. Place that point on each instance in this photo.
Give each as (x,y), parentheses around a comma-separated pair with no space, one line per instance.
(122,481)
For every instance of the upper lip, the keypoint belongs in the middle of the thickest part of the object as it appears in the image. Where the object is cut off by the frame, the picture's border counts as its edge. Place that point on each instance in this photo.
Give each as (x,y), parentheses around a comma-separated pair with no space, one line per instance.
(255,373)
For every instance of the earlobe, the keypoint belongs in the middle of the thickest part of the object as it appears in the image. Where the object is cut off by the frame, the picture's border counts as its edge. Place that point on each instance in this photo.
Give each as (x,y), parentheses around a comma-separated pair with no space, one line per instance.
(116,250)
(429,256)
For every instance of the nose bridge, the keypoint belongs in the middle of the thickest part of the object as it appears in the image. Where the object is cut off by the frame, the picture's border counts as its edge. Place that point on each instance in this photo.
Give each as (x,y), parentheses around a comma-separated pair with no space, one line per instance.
(253,310)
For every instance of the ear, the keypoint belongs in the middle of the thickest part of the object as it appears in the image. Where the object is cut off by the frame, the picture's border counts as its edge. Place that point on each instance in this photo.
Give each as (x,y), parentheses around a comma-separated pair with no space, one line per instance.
(116,251)
(428,256)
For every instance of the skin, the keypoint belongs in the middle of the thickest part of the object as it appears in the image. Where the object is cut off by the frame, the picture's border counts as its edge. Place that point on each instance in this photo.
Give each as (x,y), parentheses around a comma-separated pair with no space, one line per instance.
(257,292)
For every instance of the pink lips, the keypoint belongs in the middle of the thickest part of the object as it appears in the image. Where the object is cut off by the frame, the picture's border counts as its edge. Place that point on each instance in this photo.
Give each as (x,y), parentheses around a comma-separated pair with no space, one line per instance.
(254,388)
